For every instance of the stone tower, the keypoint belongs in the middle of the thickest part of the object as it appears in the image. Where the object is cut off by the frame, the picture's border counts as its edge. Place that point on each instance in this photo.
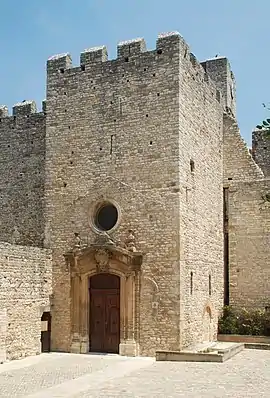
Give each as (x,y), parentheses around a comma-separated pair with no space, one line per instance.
(131,207)
(133,198)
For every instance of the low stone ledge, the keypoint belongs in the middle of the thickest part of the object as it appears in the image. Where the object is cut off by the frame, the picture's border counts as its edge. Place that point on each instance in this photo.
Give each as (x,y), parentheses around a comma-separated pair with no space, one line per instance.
(239,338)
(217,352)
(257,346)
(177,356)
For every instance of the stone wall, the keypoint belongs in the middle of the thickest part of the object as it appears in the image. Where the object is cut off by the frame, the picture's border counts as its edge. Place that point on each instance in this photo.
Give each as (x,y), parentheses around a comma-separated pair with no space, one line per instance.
(249,244)
(261,150)
(25,280)
(3,334)
(238,162)
(200,170)
(22,142)
(248,223)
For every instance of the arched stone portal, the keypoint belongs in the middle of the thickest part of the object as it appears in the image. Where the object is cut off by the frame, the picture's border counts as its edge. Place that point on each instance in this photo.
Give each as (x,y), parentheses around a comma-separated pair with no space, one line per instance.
(86,265)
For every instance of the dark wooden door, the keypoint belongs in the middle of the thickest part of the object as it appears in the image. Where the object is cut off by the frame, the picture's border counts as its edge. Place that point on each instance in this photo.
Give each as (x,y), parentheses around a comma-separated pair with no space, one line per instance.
(46,333)
(104,313)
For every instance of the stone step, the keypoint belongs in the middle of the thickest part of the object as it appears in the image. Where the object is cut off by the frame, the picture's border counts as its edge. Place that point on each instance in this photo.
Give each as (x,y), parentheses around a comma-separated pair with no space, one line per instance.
(214,352)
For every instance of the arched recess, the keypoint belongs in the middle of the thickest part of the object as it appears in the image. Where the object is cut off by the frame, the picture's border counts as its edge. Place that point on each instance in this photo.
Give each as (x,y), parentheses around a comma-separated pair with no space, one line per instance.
(208,332)
(82,264)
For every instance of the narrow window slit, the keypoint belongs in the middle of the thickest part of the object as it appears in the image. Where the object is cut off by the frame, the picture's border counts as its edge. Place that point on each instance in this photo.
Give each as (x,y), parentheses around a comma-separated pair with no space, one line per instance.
(192,165)
(111,147)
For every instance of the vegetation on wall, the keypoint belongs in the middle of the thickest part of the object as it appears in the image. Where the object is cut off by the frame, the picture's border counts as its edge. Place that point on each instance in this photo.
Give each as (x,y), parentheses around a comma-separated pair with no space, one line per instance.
(245,322)
(265,125)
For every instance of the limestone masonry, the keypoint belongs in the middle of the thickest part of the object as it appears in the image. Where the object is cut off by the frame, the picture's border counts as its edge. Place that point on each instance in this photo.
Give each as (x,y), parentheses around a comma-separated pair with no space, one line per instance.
(131,208)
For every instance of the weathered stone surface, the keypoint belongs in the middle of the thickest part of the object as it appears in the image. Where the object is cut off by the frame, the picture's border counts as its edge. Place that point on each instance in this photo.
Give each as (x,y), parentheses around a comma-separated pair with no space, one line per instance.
(154,133)
(248,220)
(261,150)
(25,280)
(22,166)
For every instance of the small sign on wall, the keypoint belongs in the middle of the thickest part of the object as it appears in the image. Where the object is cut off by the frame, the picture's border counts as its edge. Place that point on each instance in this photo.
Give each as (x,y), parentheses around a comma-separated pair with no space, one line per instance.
(44,326)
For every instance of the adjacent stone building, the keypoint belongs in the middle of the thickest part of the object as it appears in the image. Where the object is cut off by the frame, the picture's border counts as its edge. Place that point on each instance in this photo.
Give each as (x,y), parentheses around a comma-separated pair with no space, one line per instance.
(131,203)
(25,281)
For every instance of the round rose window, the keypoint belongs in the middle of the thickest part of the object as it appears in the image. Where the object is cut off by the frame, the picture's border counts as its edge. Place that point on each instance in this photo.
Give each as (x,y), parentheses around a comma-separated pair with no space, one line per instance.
(106,217)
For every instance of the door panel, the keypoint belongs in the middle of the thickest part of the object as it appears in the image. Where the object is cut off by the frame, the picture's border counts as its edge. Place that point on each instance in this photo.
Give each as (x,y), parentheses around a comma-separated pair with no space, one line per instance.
(112,333)
(97,323)
(104,319)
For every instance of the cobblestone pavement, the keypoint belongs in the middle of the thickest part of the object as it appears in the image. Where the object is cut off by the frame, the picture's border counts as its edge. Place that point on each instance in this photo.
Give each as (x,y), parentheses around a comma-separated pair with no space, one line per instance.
(74,376)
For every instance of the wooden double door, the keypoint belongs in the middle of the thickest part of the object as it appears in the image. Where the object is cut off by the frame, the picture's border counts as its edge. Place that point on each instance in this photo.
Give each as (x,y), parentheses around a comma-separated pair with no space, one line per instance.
(104,328)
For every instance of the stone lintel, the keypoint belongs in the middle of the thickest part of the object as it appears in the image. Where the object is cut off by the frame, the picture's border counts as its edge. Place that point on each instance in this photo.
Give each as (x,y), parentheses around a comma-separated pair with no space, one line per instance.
(131,259)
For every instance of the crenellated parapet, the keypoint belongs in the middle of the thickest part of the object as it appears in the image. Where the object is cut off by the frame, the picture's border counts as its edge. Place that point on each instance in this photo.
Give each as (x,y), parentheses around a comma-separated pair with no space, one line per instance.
(126,50)
(22,109)
(168,46)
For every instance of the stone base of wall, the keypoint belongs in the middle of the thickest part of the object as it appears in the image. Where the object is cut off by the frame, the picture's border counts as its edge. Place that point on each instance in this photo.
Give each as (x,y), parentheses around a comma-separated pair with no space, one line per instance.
(129,348)
(3,334)
(238,338)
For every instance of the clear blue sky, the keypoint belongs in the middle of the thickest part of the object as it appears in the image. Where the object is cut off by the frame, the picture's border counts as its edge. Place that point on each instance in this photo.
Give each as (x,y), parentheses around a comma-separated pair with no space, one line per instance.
(33,30)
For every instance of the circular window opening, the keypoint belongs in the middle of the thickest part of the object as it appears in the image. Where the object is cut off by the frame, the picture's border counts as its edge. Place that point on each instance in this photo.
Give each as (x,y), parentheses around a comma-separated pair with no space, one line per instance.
(106,217)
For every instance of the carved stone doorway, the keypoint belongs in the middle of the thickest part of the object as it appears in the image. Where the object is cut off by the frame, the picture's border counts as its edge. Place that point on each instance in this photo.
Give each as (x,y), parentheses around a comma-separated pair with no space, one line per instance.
(104,327)
(112,274)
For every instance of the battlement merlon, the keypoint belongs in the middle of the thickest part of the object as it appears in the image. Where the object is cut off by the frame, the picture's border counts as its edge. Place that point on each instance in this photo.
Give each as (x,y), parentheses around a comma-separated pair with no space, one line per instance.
(3,111)
(24,108)
(169,40)
(131,47)
(59,62)
(220,72)
(94,54)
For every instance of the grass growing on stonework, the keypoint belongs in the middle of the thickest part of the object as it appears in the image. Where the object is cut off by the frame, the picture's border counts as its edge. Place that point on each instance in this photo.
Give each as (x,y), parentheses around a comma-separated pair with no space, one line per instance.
(245,322)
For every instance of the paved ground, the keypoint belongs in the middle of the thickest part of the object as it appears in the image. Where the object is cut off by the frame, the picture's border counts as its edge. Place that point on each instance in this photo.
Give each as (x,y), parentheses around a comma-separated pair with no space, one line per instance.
(84,376)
